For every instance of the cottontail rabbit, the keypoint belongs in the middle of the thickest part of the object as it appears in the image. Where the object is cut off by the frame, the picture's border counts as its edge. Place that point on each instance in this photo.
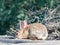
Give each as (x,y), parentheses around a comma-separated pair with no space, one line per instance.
(33,31)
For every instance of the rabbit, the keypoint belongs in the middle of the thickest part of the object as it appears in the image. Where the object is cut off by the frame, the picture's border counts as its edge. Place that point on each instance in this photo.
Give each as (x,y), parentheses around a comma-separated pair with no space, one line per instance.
(33,31)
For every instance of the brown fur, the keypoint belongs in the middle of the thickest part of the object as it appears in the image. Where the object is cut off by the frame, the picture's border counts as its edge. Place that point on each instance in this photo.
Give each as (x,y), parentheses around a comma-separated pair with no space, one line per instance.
(30,30)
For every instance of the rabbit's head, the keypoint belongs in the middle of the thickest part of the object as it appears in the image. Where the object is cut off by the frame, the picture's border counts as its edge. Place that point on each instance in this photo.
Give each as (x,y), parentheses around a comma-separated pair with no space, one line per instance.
(22,34)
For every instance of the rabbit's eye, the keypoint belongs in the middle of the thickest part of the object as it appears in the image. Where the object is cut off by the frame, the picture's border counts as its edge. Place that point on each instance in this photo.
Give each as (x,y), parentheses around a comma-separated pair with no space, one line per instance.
(17,33)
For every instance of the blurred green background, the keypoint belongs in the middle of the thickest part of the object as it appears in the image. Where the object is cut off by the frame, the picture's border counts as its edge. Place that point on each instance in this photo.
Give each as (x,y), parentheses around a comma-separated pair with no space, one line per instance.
(11,11)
